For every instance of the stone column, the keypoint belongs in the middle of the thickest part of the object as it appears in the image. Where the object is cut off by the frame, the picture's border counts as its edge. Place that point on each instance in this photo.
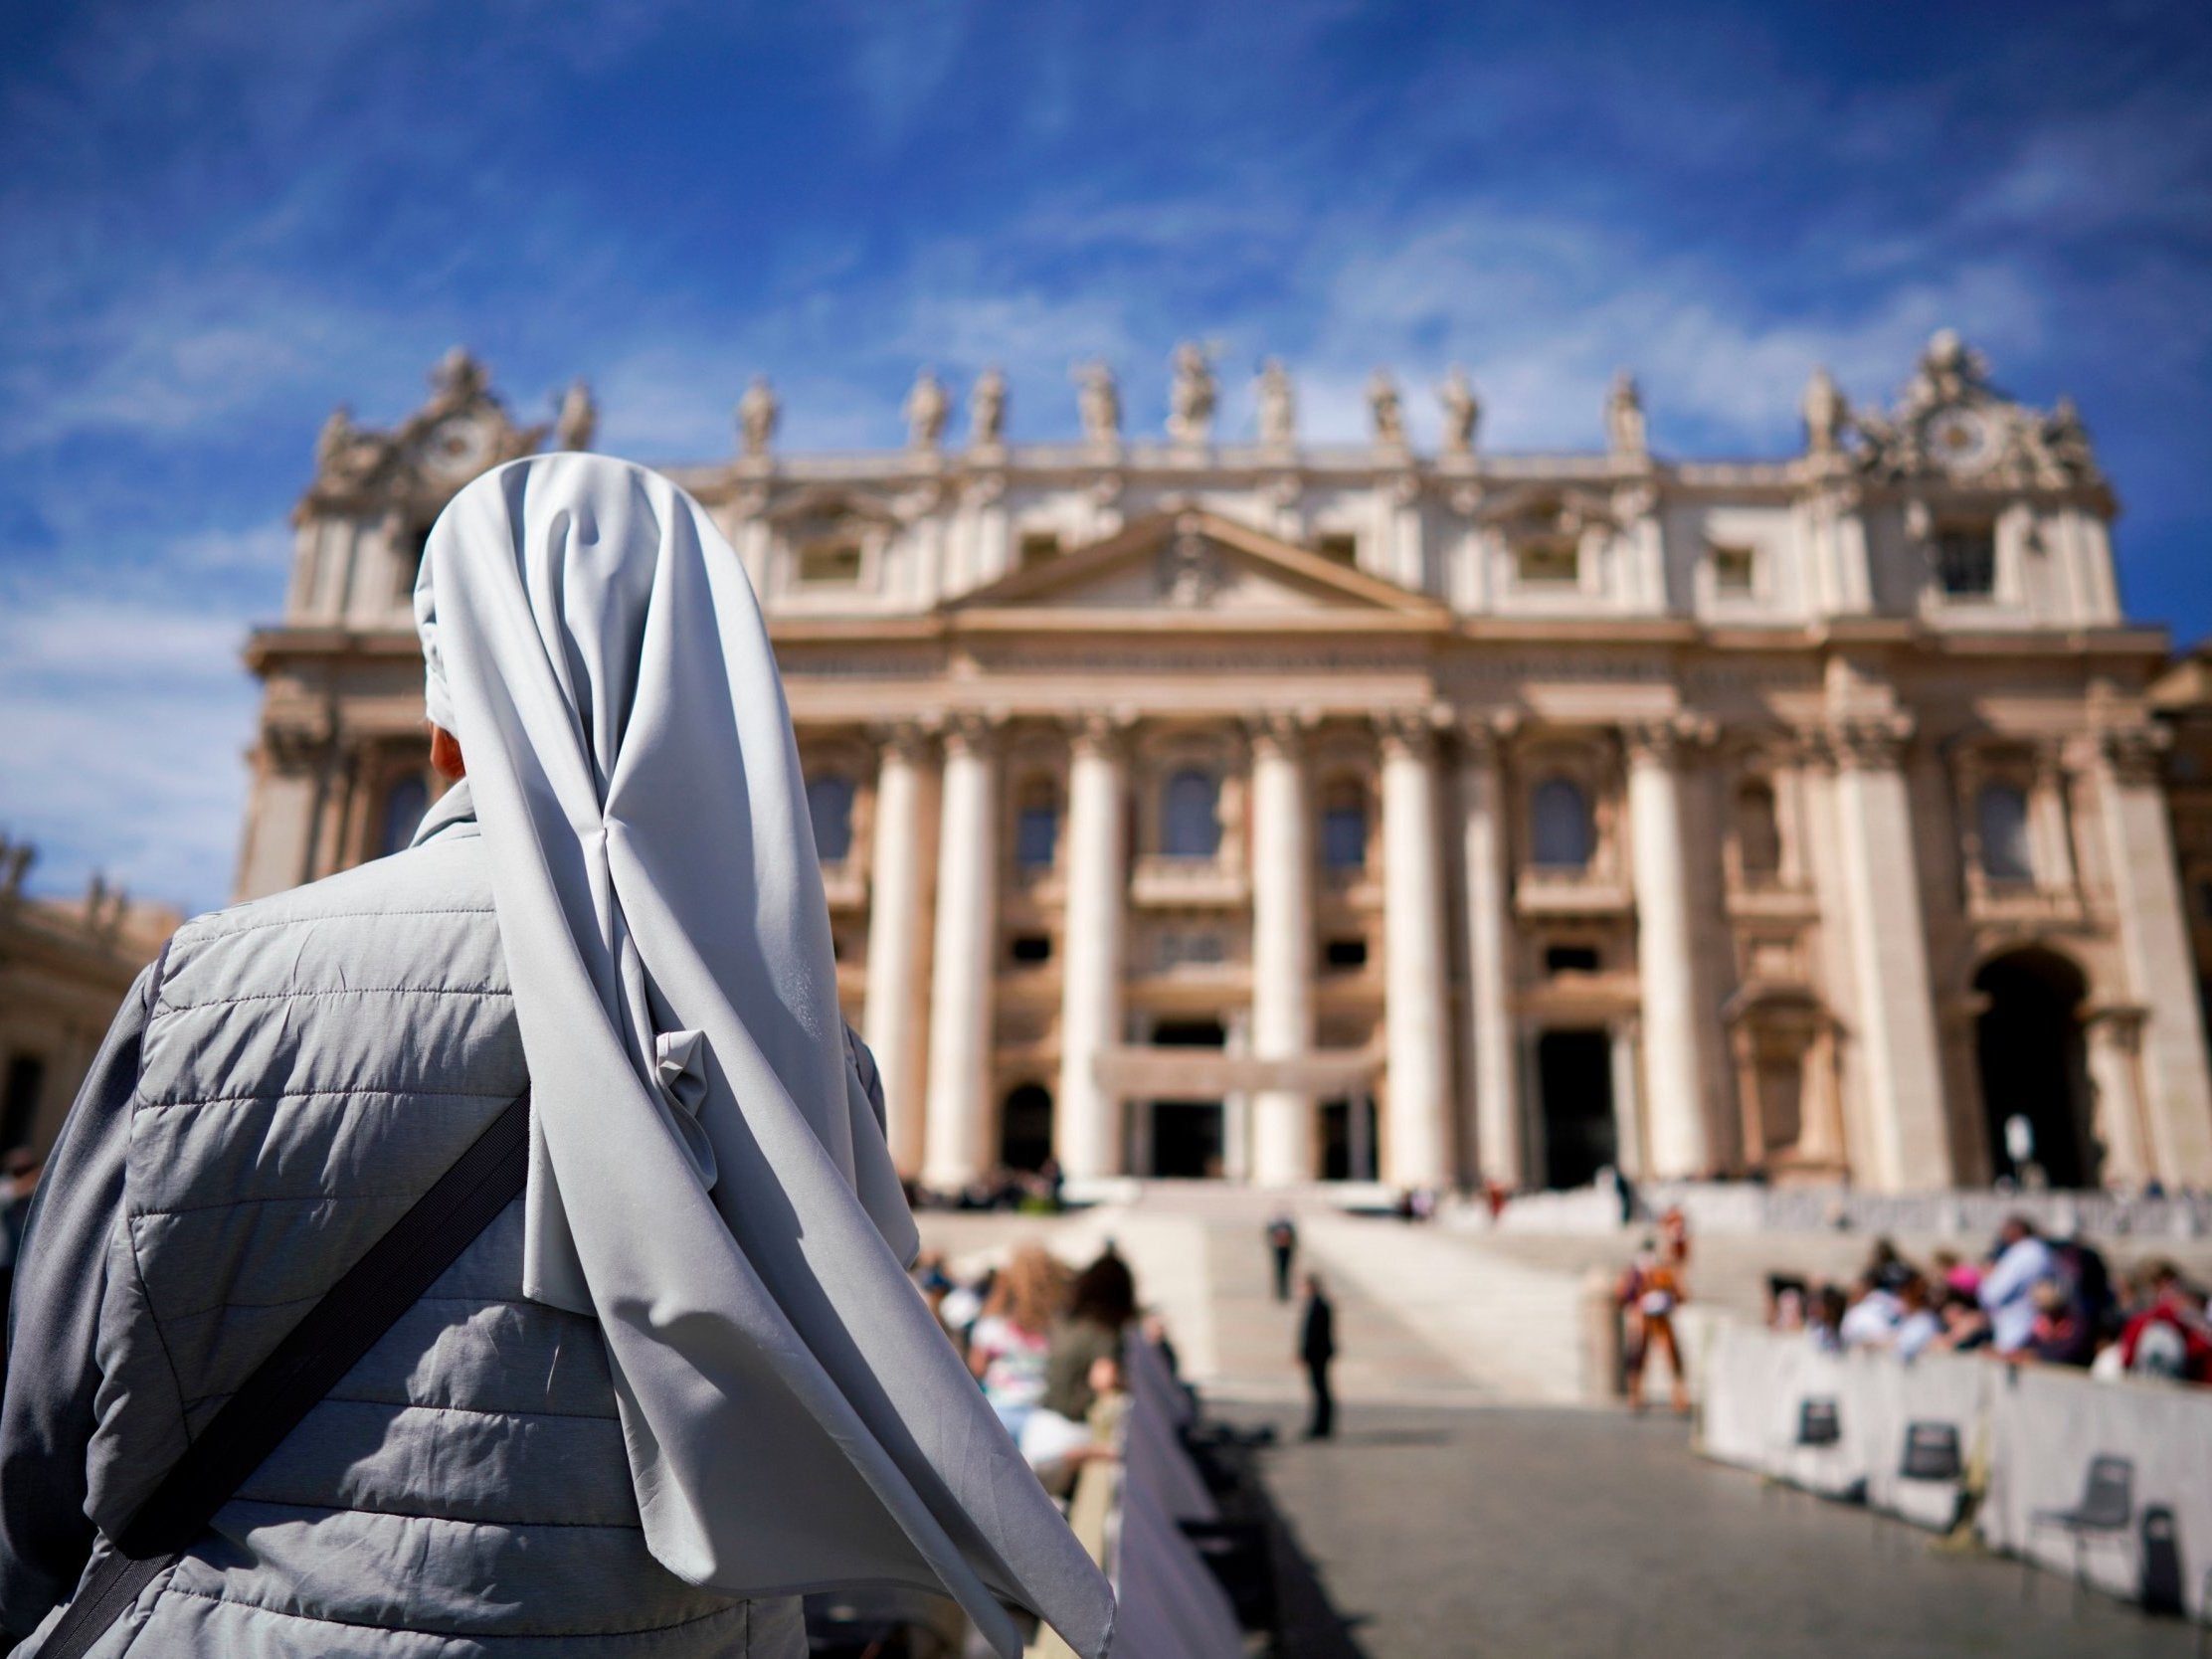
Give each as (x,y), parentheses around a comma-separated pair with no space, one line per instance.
(1086,1122)
(964,958)
(1282,947)
(1900,1063)
(1417,1144)
(2153,938)
(1629,1116)
(2114,1036)
(1500,1153)
(1666,961)
(891,1018)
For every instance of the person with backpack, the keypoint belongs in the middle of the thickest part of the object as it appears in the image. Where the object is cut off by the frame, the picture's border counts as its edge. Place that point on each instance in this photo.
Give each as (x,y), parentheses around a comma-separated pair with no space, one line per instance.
(2168,1335)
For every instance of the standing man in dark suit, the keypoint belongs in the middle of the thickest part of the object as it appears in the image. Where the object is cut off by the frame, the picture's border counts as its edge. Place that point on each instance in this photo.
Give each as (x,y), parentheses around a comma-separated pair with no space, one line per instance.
(1282,1244)
(1317,1345)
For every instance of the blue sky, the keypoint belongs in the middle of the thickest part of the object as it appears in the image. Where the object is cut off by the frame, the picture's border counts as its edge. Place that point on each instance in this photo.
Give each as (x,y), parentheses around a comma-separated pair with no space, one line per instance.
(219,219)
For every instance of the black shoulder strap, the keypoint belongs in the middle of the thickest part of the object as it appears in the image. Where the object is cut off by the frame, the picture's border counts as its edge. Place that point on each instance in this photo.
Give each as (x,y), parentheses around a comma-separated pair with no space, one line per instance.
(326,1344)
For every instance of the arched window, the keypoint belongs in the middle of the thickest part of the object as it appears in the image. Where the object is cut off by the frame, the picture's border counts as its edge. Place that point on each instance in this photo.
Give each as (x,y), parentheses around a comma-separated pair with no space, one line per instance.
(404,803)
(1190,816)
(2002,818)
(1343,827)
(1561,833)
(829,806)
(1759,835)
(1036,827)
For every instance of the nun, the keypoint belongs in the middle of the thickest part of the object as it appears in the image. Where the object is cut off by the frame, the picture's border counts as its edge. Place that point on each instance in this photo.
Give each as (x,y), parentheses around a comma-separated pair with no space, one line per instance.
(683,1377)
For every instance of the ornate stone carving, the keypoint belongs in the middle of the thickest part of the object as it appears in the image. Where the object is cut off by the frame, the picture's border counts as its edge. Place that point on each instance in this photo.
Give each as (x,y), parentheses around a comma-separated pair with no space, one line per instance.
(1462,411)
(926,410)
(1276,731)
(1867,743)
(972,731)
(987,410)
(1100,731)
(415,469)
(1098,400)
(903,740)
(758,413)
(1950,422)
(1625,419)
(1192,395)
(2136,753)
(1278,406)
(578,420)
(1191,569)
(1406,732)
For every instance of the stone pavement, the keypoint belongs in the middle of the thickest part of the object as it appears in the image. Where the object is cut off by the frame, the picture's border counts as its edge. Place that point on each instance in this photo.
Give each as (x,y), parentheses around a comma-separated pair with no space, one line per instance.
(1512,1533)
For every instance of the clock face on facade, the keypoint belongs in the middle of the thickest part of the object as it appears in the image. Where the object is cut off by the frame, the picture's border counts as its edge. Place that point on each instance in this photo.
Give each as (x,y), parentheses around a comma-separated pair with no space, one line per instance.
(1960,440)
(458,448)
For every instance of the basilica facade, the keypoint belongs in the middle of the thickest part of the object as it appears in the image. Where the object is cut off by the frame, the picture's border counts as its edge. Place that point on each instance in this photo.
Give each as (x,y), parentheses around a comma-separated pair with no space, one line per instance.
(1225,804)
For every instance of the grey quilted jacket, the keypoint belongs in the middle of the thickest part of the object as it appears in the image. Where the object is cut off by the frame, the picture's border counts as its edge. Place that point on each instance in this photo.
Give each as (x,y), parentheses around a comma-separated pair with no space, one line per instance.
(278,1091)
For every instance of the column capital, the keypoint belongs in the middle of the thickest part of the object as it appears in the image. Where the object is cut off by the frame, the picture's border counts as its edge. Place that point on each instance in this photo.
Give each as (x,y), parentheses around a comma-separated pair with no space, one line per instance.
(2119,1024)
(1278,731)
(1662,741)
(1410,732)
(1100,731)
(1871,743)
(971,731)
(1483,737)
(2136,753)
(901,740)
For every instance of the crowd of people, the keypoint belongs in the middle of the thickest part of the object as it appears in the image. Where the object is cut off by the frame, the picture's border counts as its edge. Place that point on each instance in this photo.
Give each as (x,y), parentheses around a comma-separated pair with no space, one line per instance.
(2029,1299)
(1044,1343)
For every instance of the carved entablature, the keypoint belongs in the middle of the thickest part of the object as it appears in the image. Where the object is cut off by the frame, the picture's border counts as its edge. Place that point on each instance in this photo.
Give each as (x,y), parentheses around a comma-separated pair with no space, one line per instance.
(416,467)
(2136,753)
(1950,425)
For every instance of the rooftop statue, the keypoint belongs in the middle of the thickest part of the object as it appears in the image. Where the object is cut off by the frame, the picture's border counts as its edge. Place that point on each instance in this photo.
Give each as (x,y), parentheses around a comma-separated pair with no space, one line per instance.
(578,420)
(1951,422)
(1624,415)
(1388,412)
(1099,400)
(756,415)
(987,410)
(927,408)
(1191,396)
(1278,406)
(1826,414)
(1463,411)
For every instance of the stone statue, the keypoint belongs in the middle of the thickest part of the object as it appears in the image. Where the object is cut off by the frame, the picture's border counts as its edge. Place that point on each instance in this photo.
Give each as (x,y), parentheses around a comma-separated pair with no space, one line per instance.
(1278,406)
(1388,411)
(577,420)
(1624,415)
(458,380)
(987,410)
(756,415)
(346,456)
(1462,409)
(1947,369)
(926,410)
(1191,396)
(1825,414)
(1099,400)
(2064,444)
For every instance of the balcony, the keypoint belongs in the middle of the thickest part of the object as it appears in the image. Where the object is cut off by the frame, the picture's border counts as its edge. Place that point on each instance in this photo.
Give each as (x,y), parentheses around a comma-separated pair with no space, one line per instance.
(1162,884)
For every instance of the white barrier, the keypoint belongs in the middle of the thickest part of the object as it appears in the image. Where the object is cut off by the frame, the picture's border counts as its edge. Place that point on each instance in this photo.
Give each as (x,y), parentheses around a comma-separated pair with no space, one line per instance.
(1171,1606)
(1741,1207)
(2034,1429)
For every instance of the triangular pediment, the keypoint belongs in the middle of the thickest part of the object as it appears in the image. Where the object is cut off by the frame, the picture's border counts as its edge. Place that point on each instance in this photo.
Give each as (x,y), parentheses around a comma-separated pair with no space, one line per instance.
(1197,564)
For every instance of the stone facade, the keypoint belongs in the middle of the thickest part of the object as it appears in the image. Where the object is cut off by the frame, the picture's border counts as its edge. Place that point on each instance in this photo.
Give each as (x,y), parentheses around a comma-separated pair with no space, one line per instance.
(1199,805)
(65,965)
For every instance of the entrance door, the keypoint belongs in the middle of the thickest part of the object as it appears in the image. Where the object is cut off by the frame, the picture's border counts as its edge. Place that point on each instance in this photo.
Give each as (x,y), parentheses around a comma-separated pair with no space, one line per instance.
(1575,1081)
(1186,1138)
(1347,1139)
(2028,1045)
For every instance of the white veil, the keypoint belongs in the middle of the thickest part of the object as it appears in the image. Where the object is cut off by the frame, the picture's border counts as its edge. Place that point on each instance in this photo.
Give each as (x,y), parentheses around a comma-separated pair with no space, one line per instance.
(707,1178)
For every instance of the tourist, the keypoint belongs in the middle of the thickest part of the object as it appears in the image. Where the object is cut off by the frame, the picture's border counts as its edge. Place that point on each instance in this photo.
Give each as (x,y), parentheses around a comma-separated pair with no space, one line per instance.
(2021,1261)
(1316,1351)
(1871,1320)
(1918,1322)
(1006,1350)
(1650,1291)
(1282,1244)
(1082,1363)
(1824,1312)
(2165,1333)
(2062,1333)
(682,1374)
(1966,1326)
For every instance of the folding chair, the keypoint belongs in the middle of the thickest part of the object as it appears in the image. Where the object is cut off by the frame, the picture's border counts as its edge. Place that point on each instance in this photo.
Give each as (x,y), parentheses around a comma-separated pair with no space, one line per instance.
(2106,1507)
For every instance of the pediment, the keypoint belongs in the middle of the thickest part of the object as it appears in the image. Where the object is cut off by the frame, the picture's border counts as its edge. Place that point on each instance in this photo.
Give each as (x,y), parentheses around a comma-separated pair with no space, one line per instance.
(819,504)
(1200,564)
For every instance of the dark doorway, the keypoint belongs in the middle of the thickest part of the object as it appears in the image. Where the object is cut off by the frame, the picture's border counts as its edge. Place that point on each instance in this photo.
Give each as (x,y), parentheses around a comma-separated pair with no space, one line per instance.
(1025,1128)
(1347,1139)
(19,1116)
(1575,1078)
(1186,1135)
(2028,1047)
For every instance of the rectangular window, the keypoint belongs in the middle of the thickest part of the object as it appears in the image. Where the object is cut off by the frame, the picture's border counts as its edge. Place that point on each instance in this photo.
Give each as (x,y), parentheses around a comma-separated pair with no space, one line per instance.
(1037,834)
(1030,948)
(1570,958)
(830,564)
(1039,546)
(1342,955)
(1734,571)
(1552,562)
(1339,547)
(1966,560)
